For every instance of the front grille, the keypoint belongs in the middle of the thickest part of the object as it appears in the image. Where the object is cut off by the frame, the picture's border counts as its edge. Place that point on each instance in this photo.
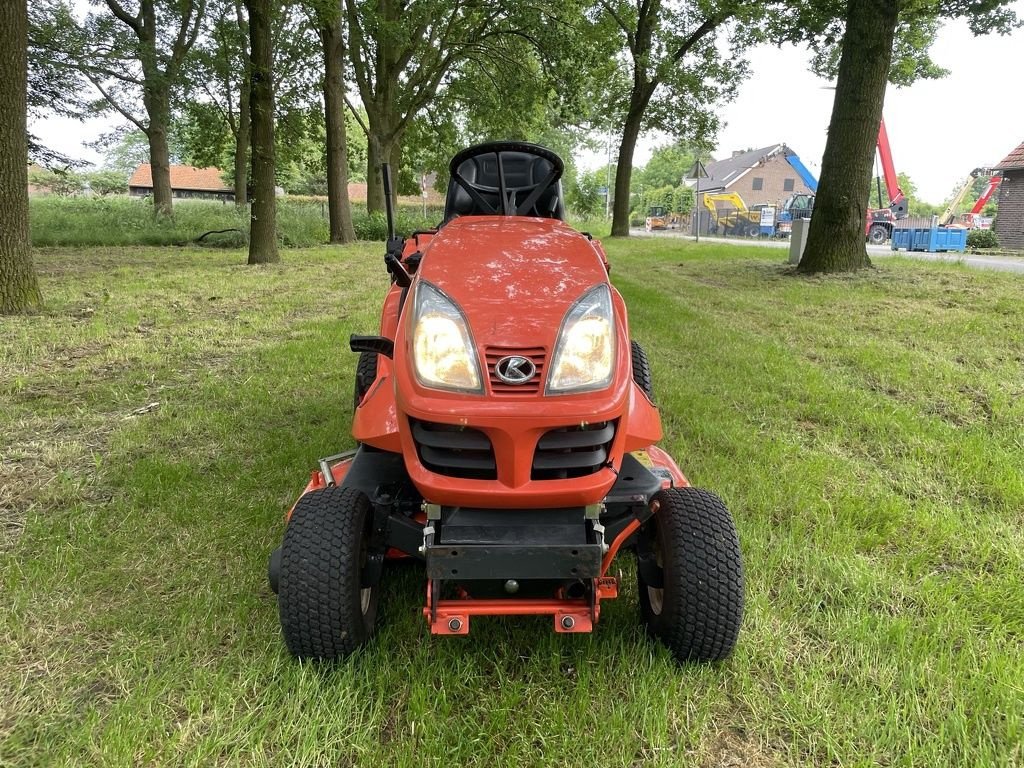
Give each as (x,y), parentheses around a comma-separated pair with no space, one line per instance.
(572,451)
(499,387)
(455,451)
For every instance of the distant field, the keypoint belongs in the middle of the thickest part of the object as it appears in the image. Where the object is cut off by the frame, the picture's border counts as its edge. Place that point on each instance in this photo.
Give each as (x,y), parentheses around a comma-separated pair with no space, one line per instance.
(164,411)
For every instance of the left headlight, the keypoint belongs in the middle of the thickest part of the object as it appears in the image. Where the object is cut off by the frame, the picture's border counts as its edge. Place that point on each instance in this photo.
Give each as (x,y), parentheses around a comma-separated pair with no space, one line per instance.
(442,345)
(585,349)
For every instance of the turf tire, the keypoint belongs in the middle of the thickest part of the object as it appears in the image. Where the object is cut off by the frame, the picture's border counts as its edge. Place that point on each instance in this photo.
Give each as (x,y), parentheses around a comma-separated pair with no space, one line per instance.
(698,610)
(878,234)
(366,374)
(641,369)
(325,612)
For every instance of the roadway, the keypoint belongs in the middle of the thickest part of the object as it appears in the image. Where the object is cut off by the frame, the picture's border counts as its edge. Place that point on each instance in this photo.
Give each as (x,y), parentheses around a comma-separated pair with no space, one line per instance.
(973,260)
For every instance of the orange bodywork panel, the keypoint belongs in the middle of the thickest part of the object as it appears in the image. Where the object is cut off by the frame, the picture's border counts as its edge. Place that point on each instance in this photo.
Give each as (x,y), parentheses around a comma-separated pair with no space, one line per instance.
(451,617)
(524,309)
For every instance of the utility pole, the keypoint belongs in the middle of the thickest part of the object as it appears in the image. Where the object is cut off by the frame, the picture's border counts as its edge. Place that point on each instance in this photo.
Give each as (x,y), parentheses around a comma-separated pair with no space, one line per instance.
(697,170)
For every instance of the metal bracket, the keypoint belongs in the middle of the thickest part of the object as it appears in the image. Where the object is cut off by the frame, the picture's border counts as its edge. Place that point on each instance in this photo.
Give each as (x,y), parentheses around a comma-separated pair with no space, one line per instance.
(428,539)
(328,462)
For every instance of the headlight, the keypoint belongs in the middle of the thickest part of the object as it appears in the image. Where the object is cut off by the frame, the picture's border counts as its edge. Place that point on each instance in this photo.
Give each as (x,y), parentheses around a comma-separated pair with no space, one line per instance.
(442,349)
(585,349)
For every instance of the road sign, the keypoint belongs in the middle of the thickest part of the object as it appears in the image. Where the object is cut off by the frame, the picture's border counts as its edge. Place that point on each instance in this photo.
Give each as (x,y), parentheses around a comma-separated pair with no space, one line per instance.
(602,190)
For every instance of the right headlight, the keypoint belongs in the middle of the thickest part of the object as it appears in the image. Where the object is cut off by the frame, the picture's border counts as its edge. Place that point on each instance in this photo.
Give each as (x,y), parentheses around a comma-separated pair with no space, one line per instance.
(585,348)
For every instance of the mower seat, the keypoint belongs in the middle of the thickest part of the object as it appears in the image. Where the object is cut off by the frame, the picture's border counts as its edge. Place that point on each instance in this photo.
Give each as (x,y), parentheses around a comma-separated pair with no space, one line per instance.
(524,171)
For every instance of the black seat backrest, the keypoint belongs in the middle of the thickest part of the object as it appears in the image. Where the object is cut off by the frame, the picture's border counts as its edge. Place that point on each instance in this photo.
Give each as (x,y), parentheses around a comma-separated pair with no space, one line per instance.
(523,171)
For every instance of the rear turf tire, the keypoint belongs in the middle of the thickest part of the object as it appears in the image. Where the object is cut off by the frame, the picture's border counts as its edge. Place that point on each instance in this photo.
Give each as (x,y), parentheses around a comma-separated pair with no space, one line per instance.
(325,611)
(697,610)
(641,369)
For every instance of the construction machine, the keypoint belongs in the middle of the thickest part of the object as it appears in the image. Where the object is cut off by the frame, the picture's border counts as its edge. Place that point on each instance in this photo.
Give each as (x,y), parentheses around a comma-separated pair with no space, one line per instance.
(972,219)
(878,223)
(730,215)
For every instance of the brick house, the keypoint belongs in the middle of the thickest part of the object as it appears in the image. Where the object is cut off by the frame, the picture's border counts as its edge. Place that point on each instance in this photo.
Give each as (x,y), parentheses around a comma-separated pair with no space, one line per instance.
(1009,225)
(759,176)
(186,182)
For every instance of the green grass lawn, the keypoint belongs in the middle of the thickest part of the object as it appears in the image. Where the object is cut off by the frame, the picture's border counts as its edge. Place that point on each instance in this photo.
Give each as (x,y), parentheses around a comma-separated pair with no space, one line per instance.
(867,431)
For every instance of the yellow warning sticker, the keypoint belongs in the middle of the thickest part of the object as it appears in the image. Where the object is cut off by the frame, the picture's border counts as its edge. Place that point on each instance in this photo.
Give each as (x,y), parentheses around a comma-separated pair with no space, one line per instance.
(643,458)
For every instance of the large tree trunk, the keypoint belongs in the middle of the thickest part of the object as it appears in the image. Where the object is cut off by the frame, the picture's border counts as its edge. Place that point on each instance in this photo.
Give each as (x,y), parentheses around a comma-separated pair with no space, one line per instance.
(19,289)
(624,174)
(835,242)
(339,209)
(639,98)
(157,101)
(263,218)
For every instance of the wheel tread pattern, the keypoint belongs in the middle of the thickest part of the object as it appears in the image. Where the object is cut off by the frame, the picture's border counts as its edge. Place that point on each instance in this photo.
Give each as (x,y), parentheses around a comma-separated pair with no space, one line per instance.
(319,597)
(703,572)
(641,369)
(366,374)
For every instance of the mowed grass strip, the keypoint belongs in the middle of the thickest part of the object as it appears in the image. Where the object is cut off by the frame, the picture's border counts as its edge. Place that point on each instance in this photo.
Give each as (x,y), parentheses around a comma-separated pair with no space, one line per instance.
(866,431)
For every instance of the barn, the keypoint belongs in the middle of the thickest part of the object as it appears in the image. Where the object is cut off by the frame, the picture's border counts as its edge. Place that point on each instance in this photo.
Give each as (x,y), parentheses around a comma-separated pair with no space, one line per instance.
(186,182)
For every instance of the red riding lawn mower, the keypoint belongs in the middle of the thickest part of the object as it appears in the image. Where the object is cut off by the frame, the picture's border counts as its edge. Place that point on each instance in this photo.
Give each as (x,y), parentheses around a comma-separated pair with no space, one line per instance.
(506,432)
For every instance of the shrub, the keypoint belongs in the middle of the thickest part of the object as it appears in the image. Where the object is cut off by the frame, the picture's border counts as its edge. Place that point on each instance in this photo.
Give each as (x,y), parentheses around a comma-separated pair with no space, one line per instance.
(112,220)
(982,238)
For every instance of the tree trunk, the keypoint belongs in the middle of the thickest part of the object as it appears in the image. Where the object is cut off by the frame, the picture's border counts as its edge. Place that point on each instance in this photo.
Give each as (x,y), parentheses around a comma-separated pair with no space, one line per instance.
(242,144)
(375,155)
(157,102)
(383,145)
(263,218)
(835,242)
(19,288)
(244,119)
(395,161)
(624,171)
(338,205)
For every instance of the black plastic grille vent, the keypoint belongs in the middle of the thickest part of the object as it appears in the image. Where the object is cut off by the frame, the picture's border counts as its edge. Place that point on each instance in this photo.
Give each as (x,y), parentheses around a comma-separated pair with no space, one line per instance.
(572,451)
(454,451)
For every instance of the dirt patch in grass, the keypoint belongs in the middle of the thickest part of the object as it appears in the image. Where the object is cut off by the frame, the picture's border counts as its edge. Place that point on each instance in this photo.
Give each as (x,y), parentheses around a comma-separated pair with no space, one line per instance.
(734,749)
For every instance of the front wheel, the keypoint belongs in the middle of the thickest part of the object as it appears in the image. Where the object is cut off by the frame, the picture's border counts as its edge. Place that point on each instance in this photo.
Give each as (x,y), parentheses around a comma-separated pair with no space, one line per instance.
(326,610)
(878,234)
(690,575)
(366,374)
(641,369)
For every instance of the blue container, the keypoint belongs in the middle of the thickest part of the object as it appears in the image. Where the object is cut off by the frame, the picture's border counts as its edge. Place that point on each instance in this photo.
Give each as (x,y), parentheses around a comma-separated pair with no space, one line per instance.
(930,239)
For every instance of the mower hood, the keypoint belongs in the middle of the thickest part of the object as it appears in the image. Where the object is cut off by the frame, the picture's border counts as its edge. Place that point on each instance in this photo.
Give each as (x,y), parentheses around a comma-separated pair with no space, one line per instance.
(513,277)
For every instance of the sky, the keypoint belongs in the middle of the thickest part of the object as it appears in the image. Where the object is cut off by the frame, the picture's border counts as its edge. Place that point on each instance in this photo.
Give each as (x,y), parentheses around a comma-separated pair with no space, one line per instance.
(939,130)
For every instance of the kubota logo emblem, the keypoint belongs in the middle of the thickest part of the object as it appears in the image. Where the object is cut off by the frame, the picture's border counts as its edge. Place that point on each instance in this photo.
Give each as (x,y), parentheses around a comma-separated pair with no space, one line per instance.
(515,369)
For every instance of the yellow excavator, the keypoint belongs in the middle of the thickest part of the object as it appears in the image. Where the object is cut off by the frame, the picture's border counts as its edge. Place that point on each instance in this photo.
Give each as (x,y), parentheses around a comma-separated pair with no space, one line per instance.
(730,215)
